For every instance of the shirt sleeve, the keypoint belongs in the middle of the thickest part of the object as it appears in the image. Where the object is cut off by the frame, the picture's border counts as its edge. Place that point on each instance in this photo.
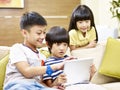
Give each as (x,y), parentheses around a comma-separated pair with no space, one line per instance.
(16,54)
(46,76)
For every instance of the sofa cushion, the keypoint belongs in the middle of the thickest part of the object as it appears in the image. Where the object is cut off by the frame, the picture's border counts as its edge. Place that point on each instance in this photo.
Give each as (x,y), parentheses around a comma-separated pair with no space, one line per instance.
(3,63)
(45,52)
(112,86)
(4,50)
(111,59)
(102,79)
(96,53)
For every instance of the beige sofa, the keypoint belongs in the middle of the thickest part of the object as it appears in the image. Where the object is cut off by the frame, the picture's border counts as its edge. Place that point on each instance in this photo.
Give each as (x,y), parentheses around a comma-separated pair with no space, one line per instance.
(108,82)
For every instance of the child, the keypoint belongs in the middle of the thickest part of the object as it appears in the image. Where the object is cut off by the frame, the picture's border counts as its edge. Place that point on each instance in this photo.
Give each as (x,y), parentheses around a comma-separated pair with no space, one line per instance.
(24,67)
(82,28)
(57,39)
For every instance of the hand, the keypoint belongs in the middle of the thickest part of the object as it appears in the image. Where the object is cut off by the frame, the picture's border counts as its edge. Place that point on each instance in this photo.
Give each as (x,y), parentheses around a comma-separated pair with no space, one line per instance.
(61,87)
(60,80)
(70,58)
(91,44)
(92,71)
(61,65)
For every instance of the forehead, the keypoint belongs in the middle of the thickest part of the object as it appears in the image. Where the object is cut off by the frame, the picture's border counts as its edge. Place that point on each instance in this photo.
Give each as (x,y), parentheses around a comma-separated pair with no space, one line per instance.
(38,28)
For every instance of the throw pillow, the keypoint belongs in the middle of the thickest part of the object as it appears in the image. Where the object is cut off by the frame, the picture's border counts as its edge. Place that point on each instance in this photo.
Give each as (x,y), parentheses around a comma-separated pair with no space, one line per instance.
(45,52)
(4,50)
(3,63)
(110,65)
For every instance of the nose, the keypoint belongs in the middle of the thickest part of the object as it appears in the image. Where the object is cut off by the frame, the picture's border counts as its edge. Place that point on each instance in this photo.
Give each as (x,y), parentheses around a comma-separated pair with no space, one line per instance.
(42,36)
(62,47)
(84,24)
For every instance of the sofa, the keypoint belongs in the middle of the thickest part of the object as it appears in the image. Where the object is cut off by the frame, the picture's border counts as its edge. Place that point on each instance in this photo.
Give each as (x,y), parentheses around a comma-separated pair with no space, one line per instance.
(98,53)
(110,83)
(4,54)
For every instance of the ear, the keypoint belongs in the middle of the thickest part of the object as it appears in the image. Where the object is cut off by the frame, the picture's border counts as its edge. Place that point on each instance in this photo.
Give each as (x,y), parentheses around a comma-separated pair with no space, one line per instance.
(24,32)
(47,44)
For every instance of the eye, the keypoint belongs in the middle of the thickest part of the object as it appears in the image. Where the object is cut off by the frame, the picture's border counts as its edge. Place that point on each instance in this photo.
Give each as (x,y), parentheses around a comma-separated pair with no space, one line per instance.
(58,44)
(38,33)
(44,32)
(87,21)
(80,21)
(65,44)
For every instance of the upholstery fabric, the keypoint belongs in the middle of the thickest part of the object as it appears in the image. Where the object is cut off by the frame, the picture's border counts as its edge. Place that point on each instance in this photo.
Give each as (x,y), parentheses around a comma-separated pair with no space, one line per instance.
(110,65)
(3,63)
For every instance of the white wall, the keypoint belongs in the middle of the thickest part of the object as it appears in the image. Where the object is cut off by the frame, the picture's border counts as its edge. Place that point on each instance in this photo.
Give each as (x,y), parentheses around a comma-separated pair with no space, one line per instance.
(101,12)
(103,18)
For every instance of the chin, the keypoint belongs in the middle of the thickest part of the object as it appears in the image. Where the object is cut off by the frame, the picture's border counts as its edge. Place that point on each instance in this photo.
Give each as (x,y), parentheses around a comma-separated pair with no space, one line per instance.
(84,31)
(39,45)
(61,56)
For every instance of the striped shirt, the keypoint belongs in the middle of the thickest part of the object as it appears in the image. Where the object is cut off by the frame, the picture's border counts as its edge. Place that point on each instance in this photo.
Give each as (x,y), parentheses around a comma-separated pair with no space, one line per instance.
(50,61)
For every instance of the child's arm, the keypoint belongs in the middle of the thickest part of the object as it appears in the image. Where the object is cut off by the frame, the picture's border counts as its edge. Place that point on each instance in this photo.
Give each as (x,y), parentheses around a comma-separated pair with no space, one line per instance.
(92,44)
(31,71)
(48,82)
(58,82)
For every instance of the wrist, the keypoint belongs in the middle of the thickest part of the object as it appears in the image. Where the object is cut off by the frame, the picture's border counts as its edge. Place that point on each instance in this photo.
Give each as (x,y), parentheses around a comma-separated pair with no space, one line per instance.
(49,70)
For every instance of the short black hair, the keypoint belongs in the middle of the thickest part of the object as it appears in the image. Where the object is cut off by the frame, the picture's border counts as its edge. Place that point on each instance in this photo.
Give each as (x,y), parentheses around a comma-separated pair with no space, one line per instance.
(57,34)
(31,18)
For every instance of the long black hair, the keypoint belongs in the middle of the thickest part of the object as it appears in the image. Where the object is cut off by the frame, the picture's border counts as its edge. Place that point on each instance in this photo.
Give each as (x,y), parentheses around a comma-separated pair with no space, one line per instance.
(82,12)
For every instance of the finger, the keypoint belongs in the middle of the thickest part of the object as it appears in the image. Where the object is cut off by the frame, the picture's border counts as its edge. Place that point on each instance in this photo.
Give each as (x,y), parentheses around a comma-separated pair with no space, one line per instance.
(61,87)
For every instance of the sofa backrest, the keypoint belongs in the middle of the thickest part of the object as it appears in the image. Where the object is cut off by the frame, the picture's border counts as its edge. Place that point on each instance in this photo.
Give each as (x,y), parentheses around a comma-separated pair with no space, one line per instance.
(3,63)
(4,50)
(105,31)
(96,53)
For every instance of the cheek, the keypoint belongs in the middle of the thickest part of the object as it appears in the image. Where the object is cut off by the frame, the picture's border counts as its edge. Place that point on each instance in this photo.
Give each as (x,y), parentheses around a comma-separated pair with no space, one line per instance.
(88,26)
(78,25)
(53,50)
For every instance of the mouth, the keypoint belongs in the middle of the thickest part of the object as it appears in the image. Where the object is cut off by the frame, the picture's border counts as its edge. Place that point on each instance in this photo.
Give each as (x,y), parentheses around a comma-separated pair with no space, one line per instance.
(40,41)
(61,53)
(83,29)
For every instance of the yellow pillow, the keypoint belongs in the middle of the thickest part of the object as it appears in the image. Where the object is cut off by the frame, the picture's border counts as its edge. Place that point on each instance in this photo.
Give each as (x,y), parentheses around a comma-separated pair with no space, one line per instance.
(110,65)
(45,52)
(3,63)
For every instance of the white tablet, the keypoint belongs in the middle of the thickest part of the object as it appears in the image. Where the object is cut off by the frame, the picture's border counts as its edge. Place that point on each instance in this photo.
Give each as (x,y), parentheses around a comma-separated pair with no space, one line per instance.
(78,71)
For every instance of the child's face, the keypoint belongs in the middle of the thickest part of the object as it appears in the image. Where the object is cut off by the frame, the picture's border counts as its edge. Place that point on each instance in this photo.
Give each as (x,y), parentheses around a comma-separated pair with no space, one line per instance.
(35,36)
(83,25)
(59,49)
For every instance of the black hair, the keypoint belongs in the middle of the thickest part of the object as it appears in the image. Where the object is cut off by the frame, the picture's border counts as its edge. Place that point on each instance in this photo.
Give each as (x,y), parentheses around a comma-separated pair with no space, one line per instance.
(82,12)
(56,34)
(31,18)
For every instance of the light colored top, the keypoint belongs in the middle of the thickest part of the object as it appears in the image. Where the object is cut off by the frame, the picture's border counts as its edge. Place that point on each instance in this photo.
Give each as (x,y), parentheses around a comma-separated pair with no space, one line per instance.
(18,53)
(77,38)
